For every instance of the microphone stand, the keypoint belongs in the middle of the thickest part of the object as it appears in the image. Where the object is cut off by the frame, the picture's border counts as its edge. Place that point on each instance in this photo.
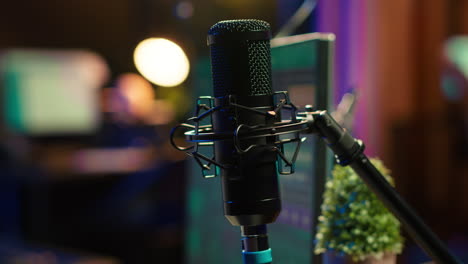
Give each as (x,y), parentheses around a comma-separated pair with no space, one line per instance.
(349,151)
(255,248)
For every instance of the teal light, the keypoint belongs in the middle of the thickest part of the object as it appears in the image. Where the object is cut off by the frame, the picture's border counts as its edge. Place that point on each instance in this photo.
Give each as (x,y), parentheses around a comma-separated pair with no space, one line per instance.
(12,103)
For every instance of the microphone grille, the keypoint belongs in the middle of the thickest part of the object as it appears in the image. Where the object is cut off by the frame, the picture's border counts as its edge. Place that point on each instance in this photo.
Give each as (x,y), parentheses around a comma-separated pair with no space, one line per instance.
(259,67)
(239,25)
(226,61)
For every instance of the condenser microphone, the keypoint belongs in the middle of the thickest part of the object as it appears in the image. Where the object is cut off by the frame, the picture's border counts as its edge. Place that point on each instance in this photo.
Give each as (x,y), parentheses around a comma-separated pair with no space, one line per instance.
(241,69)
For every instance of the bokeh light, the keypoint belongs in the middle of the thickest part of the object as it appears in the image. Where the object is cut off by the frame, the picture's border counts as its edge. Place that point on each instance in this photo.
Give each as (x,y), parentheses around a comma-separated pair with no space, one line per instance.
(456,49)
(161,61)
(184,10)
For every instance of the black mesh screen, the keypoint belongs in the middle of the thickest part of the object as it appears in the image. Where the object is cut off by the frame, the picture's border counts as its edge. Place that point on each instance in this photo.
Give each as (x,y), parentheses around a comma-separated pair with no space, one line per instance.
(240,25)
(241,66)
(259,67)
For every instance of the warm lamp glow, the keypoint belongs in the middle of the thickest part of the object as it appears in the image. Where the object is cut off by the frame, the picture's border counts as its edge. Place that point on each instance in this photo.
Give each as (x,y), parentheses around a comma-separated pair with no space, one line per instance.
(161,61)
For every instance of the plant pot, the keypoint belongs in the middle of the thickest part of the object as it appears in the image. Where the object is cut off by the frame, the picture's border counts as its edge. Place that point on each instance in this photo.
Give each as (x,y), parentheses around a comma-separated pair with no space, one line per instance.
(386,259)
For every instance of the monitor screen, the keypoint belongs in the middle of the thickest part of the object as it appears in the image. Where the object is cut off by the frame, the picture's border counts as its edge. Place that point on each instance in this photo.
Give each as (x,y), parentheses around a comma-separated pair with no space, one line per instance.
(301,65)
(50,92)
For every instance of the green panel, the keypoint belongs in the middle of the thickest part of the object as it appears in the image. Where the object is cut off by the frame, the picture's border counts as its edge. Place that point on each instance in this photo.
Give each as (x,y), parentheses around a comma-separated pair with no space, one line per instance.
(294,56)
(202,77)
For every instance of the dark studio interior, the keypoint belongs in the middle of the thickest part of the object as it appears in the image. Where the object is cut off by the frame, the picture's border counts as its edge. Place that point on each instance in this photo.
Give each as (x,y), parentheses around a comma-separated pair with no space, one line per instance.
(88,174)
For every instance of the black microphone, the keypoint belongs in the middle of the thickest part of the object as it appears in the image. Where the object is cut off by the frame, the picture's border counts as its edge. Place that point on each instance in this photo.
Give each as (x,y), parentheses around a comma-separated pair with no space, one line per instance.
(241,68)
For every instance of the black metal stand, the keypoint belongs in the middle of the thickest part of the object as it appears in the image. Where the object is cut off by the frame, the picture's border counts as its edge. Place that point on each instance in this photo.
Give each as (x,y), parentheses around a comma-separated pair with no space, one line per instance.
(349,151)
(255,247)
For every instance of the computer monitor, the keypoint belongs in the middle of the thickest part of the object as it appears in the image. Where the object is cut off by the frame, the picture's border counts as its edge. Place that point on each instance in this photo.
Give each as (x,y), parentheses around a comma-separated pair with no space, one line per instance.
(302,66)
(50,92)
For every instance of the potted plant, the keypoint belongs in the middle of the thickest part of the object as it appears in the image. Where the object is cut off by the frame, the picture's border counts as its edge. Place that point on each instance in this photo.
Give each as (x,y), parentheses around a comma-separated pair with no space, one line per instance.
(353,222)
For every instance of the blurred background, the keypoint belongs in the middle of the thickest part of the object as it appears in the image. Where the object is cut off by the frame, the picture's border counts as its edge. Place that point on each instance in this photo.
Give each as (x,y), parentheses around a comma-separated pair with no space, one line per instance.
(90,89)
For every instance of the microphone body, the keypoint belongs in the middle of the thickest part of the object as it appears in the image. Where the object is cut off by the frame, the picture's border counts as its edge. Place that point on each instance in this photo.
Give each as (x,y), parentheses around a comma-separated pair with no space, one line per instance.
(241,69)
